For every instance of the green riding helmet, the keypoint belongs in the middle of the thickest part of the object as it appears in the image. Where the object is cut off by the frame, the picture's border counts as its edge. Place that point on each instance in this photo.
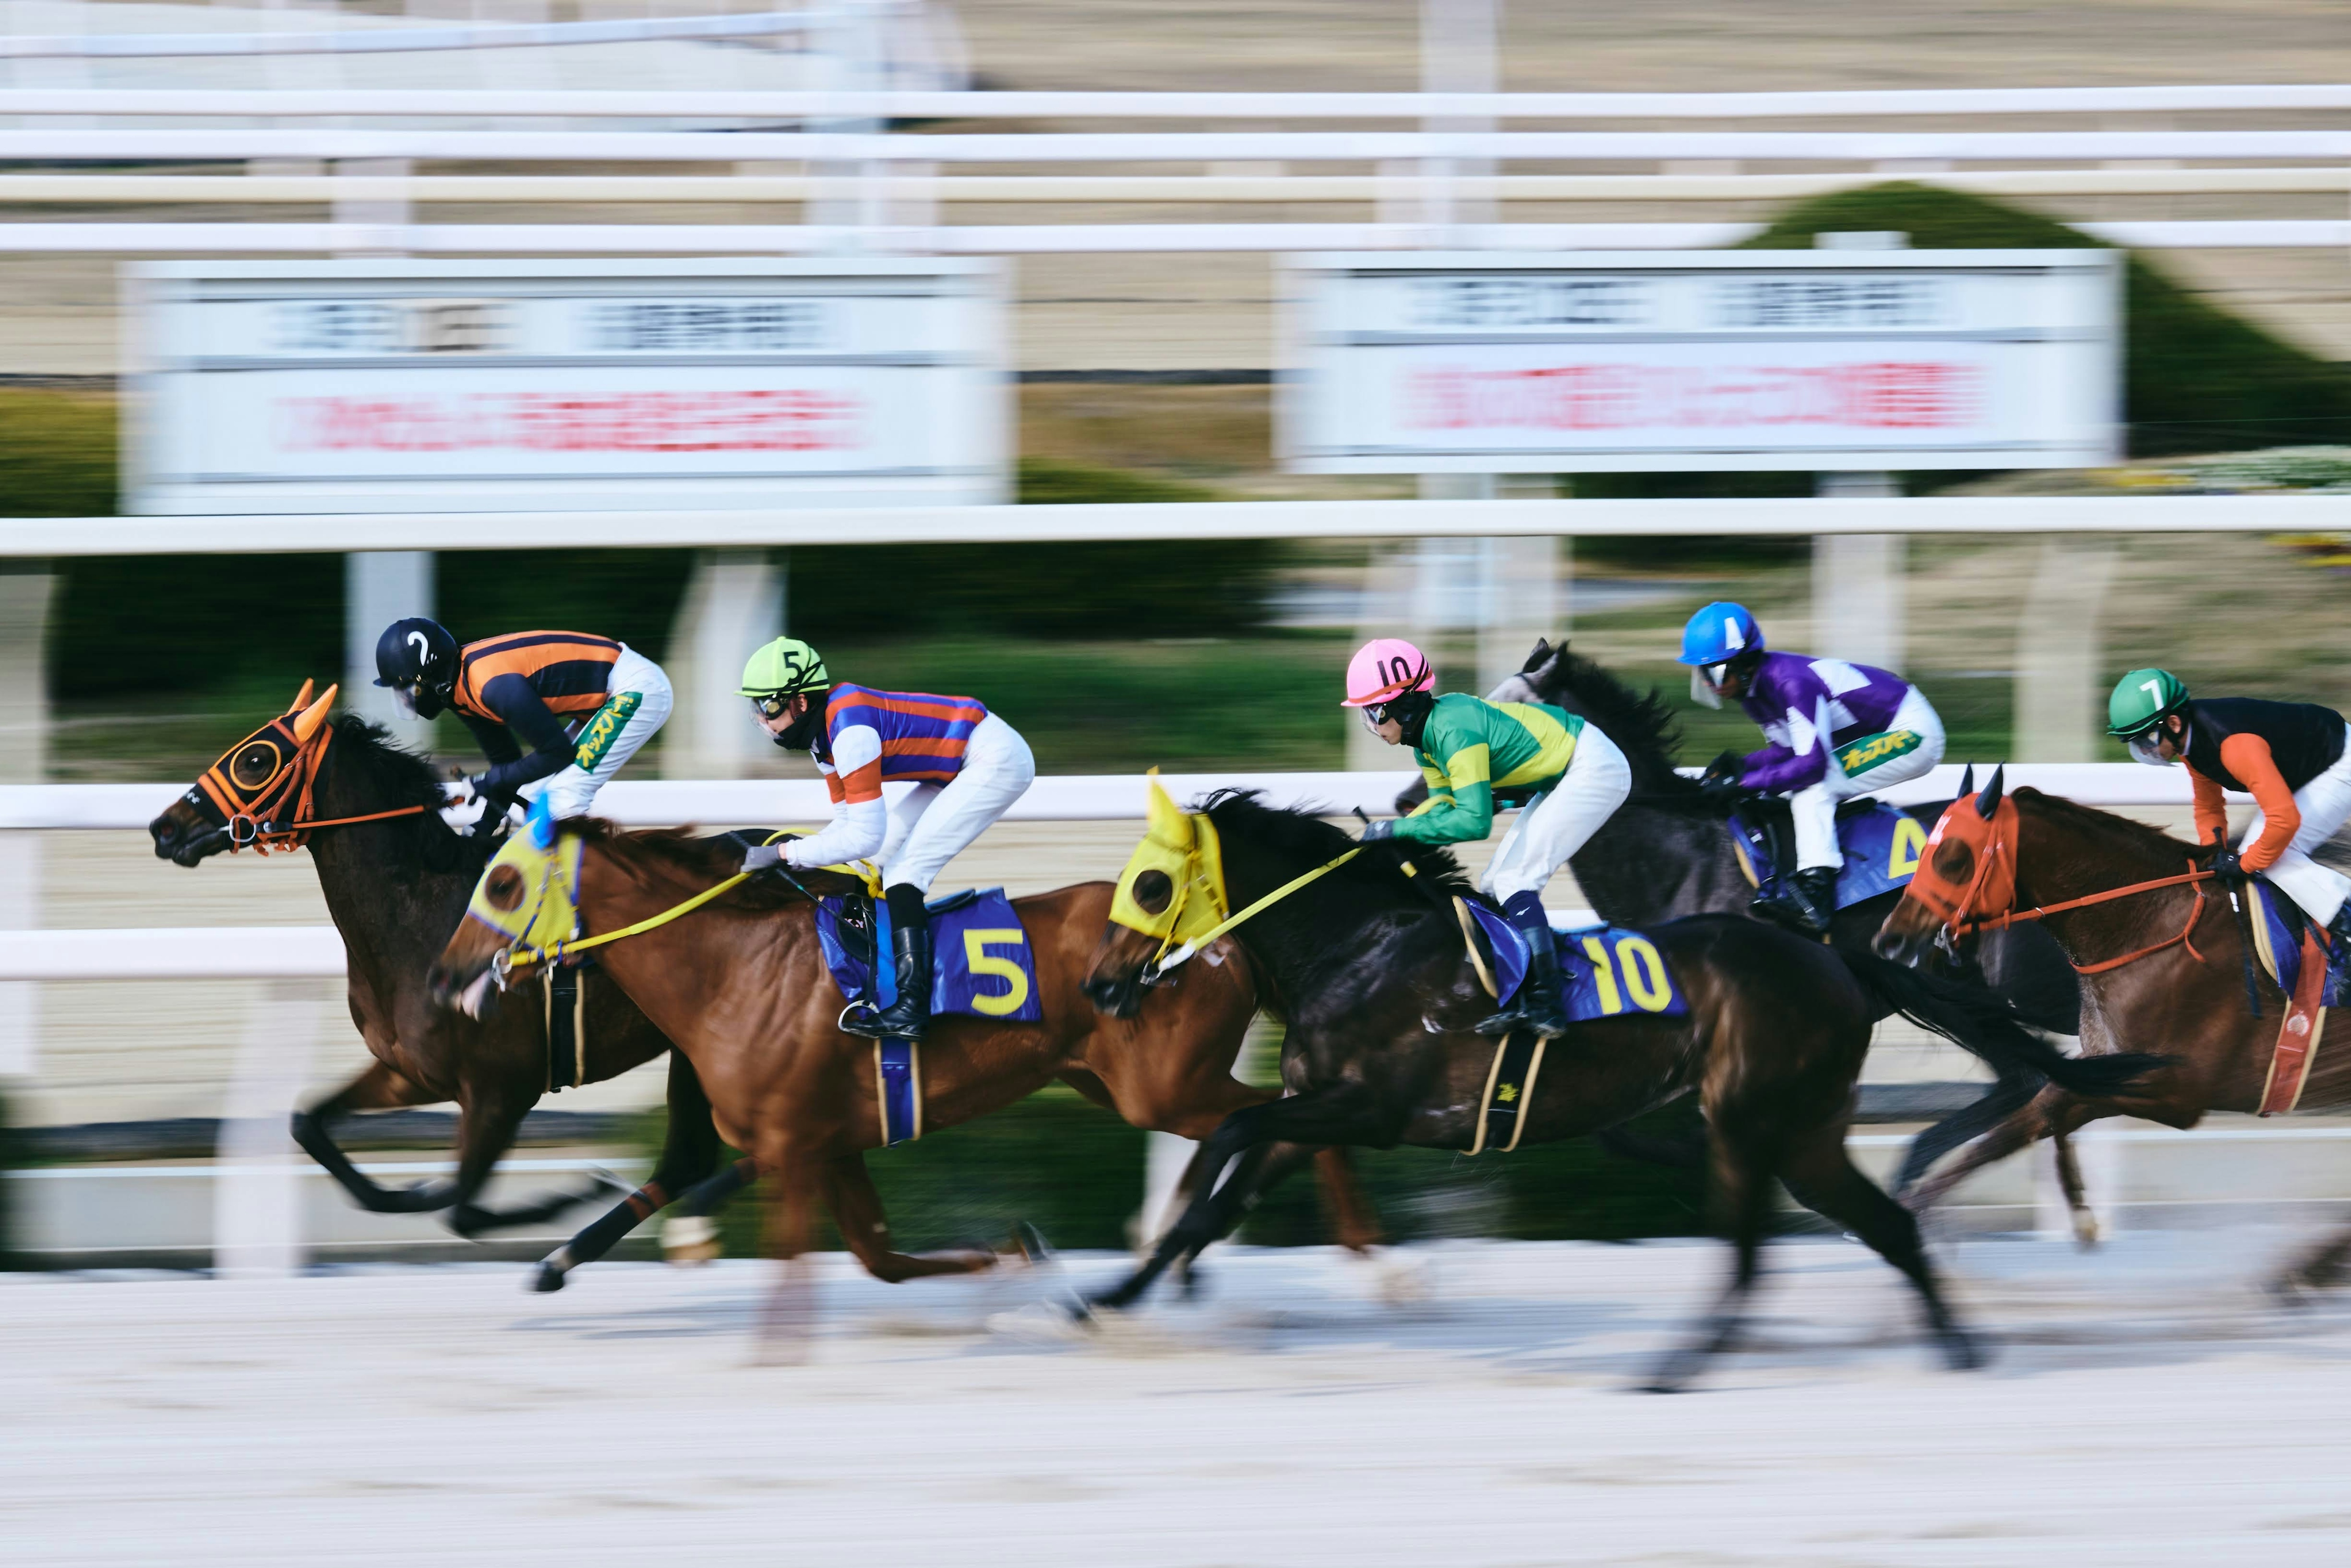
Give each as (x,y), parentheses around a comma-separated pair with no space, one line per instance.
(2143,699)
(784,667)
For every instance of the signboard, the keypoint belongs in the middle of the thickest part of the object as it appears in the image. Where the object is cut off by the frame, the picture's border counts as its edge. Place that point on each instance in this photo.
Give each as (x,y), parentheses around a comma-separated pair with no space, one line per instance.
(405,385)
(1829,360)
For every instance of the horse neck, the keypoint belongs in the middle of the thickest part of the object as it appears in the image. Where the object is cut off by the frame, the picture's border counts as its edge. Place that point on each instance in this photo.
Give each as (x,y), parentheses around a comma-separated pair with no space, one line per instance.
(1297,943)
(360,865)
(2054,866)
(1650,863)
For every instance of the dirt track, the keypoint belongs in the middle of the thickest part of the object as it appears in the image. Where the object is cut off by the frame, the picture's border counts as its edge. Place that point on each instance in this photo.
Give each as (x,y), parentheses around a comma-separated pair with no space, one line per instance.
(2145,1410)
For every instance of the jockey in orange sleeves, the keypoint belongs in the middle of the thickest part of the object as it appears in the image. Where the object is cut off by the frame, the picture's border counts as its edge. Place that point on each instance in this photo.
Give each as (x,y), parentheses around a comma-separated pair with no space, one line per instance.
(583,705)
(2293,758)
(967,766)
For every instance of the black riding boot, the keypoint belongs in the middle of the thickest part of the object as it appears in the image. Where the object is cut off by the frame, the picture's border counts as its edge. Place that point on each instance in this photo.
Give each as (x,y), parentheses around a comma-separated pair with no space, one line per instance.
(1806,902)
(1539,1003)
(2339,928)
(910,952)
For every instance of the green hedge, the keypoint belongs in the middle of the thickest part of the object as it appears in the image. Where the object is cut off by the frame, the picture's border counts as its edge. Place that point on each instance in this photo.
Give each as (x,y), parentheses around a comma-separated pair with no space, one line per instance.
(2196,378)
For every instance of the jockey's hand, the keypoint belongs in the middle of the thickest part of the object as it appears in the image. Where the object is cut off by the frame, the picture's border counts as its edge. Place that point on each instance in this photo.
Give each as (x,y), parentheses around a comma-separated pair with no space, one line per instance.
(1377,829)
(466,807)
(2230,867)
(762,857)
(1723,794)
(1727,765)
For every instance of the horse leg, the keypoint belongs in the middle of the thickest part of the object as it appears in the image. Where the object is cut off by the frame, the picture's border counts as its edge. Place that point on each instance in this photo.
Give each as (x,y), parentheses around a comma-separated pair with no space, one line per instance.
(1822,1178)
(377,1088)
(689,1237)
(1343,1114)
(789,1316)
(1352,1214)
(487,1121)
(2314,1270)
(1745,1194)
(688,1152)
(2069,1179)
(857,1210)
(2009,1094)
(2022,1127)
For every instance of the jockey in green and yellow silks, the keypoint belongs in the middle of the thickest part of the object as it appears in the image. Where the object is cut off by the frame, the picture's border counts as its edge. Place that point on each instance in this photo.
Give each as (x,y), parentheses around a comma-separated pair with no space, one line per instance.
(1564,774)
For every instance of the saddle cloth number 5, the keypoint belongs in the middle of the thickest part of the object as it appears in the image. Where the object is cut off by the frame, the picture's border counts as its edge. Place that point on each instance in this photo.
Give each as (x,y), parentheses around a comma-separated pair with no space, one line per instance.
(977,942)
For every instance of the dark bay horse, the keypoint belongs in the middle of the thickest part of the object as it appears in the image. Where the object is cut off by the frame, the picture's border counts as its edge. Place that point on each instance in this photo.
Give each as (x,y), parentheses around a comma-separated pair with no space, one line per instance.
(742,987)
(1368,967)
(2183,995)
(395,884)
(1667,853)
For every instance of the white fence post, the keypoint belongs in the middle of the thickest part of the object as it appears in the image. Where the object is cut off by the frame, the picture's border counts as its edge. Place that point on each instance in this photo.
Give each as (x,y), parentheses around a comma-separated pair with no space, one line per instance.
(734,603)
(1858,602)
(24,759)
(257,1192)
(2059,677)
(381,586)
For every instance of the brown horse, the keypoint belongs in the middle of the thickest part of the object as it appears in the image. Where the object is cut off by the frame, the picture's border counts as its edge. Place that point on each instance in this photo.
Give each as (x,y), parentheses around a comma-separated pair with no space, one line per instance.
(741,986)
(1363,954)
(2163,968)
(395,881)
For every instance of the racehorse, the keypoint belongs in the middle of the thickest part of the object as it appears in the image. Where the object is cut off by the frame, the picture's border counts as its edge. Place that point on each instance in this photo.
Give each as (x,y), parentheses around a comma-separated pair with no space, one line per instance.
(2164,967)
(741,986)
(396,878)
(1667,853)
(1361,950)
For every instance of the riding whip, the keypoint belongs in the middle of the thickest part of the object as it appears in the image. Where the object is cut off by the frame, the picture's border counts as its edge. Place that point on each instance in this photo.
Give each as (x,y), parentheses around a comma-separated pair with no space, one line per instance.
(2242,909)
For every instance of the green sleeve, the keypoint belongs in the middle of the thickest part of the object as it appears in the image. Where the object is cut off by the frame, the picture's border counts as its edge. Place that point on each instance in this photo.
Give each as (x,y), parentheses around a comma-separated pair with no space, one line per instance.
(1460,808)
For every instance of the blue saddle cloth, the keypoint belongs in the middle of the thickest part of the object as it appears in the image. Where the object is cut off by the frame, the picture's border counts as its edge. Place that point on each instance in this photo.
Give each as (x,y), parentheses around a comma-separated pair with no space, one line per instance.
(1611,969)
(984,967)
(1881,844)
(2277,939)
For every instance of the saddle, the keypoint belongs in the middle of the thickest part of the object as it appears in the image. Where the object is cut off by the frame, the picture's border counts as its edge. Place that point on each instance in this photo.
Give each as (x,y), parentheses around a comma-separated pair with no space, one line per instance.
(1881,843)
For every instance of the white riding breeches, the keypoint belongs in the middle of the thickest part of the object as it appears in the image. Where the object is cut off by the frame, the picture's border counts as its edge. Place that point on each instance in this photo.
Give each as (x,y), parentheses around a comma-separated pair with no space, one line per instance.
(2325,805)
(1596,782)
(1815,806)
(932,823)
(572,790)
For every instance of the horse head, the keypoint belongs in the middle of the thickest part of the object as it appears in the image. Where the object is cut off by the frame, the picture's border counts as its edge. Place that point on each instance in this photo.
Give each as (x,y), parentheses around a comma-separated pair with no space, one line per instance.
(1172,891)
(1967,871)
(253,791)
(525,907)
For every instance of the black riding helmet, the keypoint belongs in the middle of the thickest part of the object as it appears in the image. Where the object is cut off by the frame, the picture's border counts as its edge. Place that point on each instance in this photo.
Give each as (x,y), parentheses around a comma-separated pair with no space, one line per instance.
(417,658)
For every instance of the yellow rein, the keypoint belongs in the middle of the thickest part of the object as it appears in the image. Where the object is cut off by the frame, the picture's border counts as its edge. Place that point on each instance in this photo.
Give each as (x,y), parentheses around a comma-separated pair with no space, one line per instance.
(652,921)
(1166,961)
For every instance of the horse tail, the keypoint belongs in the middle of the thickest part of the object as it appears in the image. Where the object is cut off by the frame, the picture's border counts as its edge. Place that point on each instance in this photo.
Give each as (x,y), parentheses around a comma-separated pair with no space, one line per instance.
(1980,1022)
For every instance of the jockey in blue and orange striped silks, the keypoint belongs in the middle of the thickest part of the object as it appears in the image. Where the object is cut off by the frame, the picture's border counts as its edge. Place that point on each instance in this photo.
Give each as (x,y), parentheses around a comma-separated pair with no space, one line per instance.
(966,764)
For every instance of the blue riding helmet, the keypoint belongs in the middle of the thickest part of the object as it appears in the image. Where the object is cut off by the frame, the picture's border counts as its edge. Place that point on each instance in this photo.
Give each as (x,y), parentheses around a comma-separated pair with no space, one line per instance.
(1718,634)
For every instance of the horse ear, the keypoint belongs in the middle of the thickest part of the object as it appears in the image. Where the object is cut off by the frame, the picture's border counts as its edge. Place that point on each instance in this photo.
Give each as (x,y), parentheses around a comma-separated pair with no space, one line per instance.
(1989,801)
(1967,780)
(1539,658)
(1168,823)
(301,699)
(306,724)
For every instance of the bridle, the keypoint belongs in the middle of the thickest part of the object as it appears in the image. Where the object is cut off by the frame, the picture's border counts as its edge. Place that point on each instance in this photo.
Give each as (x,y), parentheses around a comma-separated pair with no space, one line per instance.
(275,814)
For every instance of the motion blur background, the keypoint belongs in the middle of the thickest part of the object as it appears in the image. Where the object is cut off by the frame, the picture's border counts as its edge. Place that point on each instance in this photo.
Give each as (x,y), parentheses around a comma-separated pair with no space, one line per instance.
(1142,368)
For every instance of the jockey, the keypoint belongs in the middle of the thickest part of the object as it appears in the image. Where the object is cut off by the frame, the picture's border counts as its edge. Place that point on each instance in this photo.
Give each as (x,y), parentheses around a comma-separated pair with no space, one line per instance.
(1836,730)
(583,704)
(2291,757)
(1567,778)
(967,766)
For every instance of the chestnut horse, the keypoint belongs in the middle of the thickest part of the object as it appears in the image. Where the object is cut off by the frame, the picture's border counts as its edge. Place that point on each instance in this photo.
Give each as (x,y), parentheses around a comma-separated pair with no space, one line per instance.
(1364,957)
(396,879)
(741,986)
(2163,968)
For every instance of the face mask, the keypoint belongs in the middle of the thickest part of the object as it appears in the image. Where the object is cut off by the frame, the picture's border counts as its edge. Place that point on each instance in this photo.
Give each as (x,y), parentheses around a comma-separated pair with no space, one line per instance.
(1700,693)
(405,697)
(2142,750)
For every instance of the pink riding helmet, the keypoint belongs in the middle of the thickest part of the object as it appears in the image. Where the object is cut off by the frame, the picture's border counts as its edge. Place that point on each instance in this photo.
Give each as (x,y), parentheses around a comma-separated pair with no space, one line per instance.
(1385,668)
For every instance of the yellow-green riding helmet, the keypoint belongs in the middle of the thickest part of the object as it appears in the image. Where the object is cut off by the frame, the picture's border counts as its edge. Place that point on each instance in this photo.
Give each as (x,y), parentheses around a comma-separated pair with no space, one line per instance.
(784,668)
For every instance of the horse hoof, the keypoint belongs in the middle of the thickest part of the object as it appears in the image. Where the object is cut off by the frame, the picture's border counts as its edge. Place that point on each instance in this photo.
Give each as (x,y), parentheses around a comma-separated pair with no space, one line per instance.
(689,1240)
(1962,1353)
(2087,1231)
(1029,1245)
(546,1277)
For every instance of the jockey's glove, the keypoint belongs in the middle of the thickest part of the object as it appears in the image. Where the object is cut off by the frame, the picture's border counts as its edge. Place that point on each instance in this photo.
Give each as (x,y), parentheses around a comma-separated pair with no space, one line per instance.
(1726,767)
(1722,794)
(466,806)
(1377,829)
(762,857)
(2228,866)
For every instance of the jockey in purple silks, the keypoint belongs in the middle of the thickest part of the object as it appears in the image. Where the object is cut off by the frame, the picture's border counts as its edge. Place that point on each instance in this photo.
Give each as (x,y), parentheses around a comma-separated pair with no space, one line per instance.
(1836,730)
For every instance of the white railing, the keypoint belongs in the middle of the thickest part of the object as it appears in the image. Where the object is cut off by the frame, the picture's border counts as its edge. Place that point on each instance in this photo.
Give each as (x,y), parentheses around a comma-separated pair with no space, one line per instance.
(382,38)
(1198,521)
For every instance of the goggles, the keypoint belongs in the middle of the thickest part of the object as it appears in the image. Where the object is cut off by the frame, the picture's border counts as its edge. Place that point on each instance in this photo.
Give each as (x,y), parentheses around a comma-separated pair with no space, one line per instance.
(774,704)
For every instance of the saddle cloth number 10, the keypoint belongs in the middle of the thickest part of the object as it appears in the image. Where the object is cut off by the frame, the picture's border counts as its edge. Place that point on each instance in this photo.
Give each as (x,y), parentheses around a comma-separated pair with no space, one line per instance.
(1643,969)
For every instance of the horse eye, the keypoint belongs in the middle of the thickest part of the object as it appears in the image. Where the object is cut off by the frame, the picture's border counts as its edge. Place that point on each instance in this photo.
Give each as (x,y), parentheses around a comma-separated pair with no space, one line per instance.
(504,888)
(1954,861)
(254,765)
(1153,889)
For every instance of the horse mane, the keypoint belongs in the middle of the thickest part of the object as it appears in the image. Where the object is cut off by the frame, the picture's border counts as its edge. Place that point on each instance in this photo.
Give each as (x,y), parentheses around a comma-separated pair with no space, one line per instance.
(1642,724)
(1436,876)
(390,767)
(2121,832)
(650,857)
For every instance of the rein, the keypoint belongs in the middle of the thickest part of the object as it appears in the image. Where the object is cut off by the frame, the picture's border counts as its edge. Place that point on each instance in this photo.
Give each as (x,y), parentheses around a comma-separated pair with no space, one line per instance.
(2187,933)
(1164,960)
(517,958)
